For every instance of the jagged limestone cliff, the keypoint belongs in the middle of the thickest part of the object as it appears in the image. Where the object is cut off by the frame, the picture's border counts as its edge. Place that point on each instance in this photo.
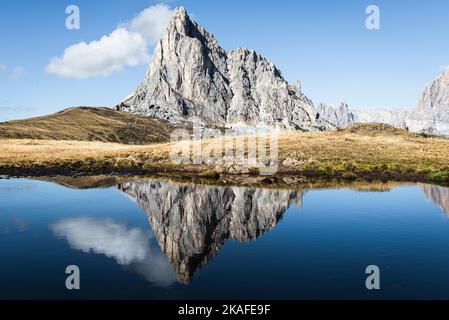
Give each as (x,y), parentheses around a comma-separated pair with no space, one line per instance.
(191,78)
(431,112)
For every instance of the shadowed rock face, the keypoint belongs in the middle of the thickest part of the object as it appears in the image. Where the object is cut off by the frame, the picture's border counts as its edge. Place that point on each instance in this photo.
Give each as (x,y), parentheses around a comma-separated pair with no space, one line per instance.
(191,222)
(439,195)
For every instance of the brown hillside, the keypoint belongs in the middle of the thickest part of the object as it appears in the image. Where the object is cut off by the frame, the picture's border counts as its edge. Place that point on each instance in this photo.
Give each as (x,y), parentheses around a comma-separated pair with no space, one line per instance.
(89,124)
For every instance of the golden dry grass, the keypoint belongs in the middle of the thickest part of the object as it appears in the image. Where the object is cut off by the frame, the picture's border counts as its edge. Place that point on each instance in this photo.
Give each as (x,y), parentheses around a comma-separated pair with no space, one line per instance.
(41,151)
(89,124)
(361,151)
(362,145)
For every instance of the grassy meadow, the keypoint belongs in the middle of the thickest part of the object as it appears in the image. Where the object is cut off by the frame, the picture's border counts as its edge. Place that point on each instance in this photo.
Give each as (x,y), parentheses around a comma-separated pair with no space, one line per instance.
(368,152)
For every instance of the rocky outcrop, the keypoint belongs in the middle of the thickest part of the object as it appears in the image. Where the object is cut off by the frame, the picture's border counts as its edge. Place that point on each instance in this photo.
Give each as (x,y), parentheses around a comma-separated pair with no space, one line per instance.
(186,77)
(394,117)
(339,115)
(191,222)
(191,78)
(262,96)
(342,116)
(431,112)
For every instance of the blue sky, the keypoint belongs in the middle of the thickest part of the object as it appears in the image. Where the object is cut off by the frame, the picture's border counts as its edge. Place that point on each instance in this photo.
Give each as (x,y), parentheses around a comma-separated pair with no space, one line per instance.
(323,43)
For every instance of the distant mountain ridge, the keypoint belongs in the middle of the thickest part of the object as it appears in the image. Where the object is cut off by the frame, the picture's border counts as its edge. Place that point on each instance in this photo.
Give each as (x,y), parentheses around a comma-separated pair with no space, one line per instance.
(429,115)
(338,114)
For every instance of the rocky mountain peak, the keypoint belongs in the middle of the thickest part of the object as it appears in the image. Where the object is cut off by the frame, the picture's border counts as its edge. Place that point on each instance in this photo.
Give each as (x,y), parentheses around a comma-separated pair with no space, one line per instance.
(180,21)
(431,112)
(296,86)
(436,93)
(445,73)
(191,78)
(337,114)
(181,24)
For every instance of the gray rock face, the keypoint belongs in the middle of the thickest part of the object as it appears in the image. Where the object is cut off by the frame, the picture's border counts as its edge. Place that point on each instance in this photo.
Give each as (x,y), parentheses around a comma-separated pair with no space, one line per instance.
(342,116)
(191,222)
(431,112)
(191,78)
(339,115)
(186,77)
(262,96)
(394,117)
(437,194)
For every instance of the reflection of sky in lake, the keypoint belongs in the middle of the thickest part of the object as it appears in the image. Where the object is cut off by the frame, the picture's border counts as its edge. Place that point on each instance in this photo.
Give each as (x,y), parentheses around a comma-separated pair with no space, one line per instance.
(318,248)
(115,240)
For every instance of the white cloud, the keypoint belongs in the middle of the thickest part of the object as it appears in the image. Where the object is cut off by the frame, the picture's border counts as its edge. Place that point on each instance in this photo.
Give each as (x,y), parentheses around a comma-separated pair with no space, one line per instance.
(126,46)
(108,55)
(2,68)
(128,246)
(16,73)
(151,22)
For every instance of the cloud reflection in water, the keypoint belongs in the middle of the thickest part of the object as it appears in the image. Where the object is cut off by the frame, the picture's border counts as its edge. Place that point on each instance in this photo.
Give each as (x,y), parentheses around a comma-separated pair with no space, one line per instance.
(128,246)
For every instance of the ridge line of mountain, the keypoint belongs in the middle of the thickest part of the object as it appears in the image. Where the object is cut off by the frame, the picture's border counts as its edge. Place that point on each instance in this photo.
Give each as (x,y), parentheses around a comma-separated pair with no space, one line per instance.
(191,78)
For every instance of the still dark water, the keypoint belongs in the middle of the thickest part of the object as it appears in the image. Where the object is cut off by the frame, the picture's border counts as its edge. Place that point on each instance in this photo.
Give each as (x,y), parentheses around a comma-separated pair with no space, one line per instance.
(149,239)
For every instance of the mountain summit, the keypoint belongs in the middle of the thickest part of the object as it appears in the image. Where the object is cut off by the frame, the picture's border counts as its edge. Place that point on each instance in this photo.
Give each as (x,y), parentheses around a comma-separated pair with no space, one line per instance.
(431,111)
(191,78)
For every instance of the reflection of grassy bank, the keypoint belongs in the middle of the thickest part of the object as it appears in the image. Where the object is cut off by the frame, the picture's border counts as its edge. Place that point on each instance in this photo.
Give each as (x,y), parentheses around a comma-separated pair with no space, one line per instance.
(368,152)
(285,182)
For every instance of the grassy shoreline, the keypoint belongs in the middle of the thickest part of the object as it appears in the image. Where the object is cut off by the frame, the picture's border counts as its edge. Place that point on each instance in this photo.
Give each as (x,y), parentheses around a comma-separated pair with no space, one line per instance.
(363,152)
(309,176)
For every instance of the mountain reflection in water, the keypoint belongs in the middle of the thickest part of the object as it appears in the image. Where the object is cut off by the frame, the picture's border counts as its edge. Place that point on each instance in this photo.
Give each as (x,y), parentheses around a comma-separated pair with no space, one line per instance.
(191,223)
(439,195)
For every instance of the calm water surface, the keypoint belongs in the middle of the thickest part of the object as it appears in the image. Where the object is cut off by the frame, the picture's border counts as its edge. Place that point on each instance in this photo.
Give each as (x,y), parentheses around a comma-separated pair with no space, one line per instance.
(150,239)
